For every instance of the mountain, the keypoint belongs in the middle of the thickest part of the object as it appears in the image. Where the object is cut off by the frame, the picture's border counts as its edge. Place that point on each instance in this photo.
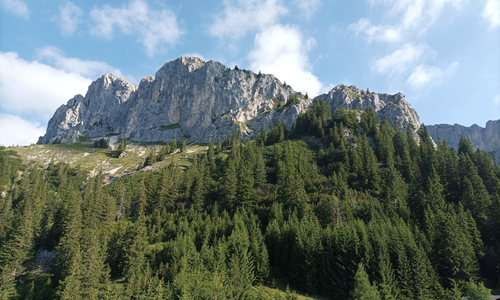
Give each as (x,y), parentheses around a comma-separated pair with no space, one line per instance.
(487,139)
(200,100)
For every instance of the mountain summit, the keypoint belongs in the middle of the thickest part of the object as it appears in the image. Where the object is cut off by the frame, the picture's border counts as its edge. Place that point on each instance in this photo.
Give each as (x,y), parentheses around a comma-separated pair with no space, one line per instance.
(200,100)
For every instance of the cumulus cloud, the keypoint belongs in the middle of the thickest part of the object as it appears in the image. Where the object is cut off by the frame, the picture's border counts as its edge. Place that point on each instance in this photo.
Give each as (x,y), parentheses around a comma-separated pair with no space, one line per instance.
(69,18)
(491,13)
(17,7)
(282,51)
(242,16)
(375,33)
(36,89)
(155,28)
(20,132)
(424,75)
(86,68)
(308,7)
(400,60)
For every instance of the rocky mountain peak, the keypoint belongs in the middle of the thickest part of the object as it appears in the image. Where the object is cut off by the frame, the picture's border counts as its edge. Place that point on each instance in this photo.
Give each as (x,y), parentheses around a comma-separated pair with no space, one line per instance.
(181,64)
(197,99)
(394,107)
(111,89)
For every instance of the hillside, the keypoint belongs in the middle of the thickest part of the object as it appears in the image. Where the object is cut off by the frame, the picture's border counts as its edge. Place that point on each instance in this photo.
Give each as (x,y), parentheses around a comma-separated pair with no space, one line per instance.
(93,160)
(340,206)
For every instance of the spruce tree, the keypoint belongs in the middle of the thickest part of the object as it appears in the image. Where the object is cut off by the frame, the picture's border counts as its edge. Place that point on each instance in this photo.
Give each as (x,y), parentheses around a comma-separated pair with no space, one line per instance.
(362,288)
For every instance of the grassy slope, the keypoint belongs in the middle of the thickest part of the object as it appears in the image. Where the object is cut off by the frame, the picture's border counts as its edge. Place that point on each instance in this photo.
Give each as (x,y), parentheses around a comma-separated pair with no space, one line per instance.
(93,160)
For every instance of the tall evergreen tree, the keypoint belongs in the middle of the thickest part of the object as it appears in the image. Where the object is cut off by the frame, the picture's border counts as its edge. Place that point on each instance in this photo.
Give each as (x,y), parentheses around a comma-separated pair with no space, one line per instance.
(362,287)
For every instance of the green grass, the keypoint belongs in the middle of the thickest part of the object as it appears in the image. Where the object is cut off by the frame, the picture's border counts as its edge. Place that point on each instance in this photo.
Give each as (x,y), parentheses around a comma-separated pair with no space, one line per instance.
(155,143)
(166,127)
(83,138)
(354,95)
(171,126)
(92,160)
(112,134)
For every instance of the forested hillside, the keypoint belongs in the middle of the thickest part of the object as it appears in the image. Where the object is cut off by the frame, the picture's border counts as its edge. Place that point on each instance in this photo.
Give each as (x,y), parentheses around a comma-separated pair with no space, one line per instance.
(341,206)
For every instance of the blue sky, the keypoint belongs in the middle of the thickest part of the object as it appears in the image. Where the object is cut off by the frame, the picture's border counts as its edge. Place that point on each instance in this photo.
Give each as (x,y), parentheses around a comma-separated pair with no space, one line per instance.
(442,54)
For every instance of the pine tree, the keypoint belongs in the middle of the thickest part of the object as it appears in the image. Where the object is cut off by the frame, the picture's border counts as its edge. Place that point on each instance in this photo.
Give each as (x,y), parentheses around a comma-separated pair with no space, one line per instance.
(135,247)
(384,143)
(122,146)
(245,192)
(211,155)
(174,144)
(465,147)
(229,183)
(474,195)
(362,287)
(434,195)
(453,254)
(475,291)
(371,172)
(241,266)
(184,145)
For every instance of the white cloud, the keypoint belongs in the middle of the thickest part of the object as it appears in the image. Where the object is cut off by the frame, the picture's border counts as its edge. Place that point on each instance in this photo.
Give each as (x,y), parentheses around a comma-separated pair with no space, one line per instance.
(16,131)
(376,33)
(400,60)
(405,18)
(424,75)
(241,16)
(69,18)
(436,7)
(308,7)
(497,99)
(491,13)
(86,68)
(154,28)
(282,51)
(17,7)
(414,13)
(36,89)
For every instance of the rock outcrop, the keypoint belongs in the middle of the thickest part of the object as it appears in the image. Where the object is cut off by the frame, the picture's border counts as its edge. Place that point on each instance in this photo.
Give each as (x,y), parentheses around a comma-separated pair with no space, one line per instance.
(487,139)
(191,98)
(395,107)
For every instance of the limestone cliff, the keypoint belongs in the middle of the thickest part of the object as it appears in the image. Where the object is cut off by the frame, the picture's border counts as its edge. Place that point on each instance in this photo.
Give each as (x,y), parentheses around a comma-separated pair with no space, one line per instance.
(395,107)
(191,98)
(487,139)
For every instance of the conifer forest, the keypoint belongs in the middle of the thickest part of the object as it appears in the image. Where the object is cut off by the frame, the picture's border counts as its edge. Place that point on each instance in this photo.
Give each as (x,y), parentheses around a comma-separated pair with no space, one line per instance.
(339,207)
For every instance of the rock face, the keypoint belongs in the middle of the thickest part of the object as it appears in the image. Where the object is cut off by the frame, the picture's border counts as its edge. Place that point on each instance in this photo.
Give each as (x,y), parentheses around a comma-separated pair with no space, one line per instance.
(199,100)
(395,107)
(487,139)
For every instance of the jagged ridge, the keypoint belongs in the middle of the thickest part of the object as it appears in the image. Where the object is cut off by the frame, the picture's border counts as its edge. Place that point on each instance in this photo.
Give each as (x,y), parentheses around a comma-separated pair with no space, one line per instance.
(487,139)
(191,98)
